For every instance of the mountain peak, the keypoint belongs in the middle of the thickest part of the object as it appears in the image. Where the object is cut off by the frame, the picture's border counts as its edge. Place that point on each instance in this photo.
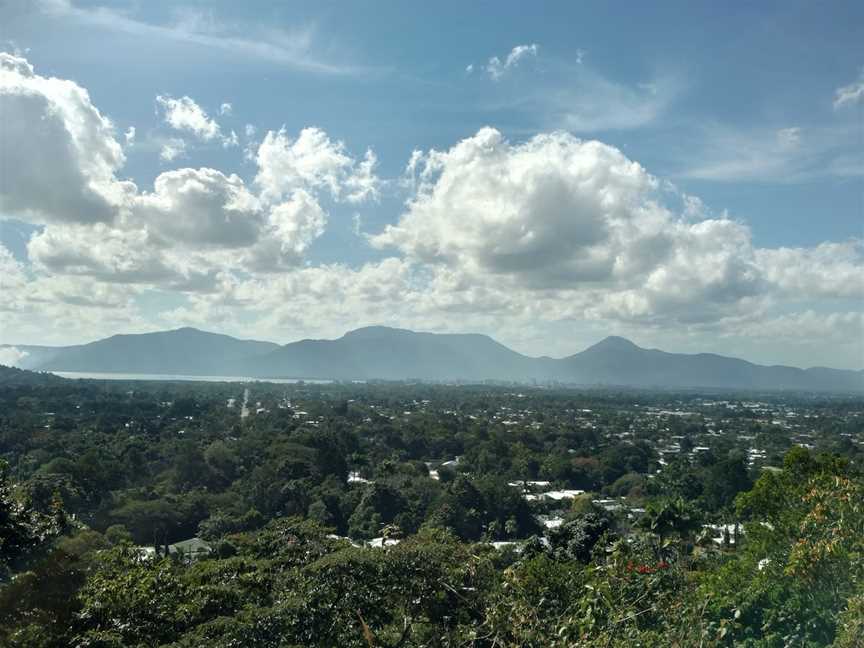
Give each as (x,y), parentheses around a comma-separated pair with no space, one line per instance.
(615,343)
(376,331)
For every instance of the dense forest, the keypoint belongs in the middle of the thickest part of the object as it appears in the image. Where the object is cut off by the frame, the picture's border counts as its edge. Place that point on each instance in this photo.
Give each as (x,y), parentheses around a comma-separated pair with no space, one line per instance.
(395,514)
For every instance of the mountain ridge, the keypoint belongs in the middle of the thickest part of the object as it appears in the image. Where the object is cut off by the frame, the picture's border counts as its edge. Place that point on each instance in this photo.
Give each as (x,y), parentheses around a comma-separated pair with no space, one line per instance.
(380,352)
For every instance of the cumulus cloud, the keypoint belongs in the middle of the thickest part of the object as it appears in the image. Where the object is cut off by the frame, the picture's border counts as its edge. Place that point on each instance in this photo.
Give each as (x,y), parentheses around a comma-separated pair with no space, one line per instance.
(113,255)
(551,210)
(200,207)
(313,161)
(829,270)
(495,236)
(180,234)
(58,153)
(226,109)
(496,68)
(195,225)
(362,183)
(290,229)
(12,276)
(184,114)
(129,136)
(172,149)
(579,230)
(850,94)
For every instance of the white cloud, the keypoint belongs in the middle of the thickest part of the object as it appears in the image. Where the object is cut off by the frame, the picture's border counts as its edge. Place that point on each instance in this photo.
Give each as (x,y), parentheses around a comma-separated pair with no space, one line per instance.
(194,226)
(842,328)
(230,140)
(831,270)
(507,238)
(201,207)
(65,310)
(180,235)
(496,68)
(12,276)
(295,48)
(291,228)
(226,109)
(172,149)
(102,252)
(58,153)
(313,161)
(185,115)
(362,183)
(129,136)
(570,94)
(12,356)
(789,138)
(572,229)
(585,101)
(790,154)
(547,209)
(850,94)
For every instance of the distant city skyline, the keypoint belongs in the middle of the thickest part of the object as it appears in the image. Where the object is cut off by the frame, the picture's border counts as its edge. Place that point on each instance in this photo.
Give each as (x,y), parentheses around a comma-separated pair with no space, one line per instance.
(687,175)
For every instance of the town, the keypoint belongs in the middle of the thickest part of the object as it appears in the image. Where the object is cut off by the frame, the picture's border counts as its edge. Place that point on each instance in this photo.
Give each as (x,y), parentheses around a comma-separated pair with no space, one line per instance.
(181,475)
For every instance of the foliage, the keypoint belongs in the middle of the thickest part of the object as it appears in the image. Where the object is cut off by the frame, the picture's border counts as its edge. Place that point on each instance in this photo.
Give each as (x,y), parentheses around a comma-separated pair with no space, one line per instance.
(101,478)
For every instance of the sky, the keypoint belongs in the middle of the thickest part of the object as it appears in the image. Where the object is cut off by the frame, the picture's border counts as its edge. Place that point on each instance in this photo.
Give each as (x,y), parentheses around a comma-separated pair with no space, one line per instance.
(689,175)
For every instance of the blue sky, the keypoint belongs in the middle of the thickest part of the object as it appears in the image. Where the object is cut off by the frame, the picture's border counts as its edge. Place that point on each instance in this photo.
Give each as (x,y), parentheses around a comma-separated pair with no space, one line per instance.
(746,115)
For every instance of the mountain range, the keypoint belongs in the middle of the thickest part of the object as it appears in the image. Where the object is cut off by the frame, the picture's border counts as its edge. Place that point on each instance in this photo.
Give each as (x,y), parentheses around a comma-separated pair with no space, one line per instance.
(384,353)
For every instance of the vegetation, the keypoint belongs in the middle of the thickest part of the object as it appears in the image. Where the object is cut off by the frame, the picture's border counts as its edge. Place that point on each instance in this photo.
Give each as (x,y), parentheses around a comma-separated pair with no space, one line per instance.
(411,515)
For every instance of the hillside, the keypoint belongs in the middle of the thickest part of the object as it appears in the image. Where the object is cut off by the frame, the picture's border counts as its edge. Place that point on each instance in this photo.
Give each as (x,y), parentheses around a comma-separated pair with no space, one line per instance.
(14,377)
(181,351)
(620,362)
(378,352)
(398,354)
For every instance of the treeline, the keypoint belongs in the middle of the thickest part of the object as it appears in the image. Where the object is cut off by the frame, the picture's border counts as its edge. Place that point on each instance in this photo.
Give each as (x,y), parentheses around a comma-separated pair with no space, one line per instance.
(794,580)
(165,463)
(95,474)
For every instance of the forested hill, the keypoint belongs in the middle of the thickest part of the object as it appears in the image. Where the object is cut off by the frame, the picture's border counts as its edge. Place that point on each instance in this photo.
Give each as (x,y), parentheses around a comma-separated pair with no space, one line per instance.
(14,377)
(619,361)
(181,351)
(396,354)
(378,352)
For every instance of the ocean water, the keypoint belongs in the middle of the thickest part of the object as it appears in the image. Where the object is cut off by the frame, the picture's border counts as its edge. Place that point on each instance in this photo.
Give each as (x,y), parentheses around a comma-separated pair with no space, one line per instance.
(86,375)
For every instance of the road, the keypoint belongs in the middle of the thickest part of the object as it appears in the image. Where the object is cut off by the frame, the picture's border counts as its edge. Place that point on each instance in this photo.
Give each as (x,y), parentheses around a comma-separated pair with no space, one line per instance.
(244,409)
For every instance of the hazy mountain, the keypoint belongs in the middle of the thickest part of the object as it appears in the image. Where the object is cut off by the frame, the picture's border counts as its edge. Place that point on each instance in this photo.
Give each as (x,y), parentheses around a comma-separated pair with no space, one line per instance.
(397,354)
(181,351)
(620,362)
